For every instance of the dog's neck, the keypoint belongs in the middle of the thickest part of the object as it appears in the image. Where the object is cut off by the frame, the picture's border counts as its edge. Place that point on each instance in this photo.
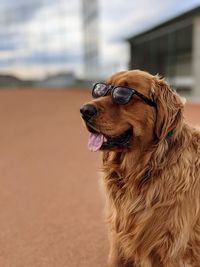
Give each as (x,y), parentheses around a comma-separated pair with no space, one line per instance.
(142,164)
(123,165)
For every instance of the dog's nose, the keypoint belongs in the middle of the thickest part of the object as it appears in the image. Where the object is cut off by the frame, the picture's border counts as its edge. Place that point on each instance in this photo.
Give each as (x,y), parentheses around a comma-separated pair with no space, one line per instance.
(88,111)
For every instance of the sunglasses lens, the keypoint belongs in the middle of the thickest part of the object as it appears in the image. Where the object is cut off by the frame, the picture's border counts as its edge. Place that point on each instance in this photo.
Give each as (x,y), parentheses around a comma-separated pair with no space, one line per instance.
(99,90)
(122,95)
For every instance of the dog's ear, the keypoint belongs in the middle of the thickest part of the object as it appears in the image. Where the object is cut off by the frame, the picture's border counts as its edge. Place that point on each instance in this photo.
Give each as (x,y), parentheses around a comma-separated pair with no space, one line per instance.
(169,108)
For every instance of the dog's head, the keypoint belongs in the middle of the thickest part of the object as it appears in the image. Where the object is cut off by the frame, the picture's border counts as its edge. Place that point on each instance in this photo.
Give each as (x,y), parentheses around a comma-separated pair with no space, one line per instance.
(132,109)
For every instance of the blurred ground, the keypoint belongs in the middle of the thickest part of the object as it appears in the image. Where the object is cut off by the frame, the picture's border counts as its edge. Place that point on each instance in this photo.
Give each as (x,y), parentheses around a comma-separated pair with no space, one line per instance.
(51,209)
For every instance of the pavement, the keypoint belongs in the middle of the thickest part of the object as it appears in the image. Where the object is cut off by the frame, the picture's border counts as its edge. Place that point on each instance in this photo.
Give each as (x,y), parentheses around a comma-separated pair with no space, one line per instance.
(51,207)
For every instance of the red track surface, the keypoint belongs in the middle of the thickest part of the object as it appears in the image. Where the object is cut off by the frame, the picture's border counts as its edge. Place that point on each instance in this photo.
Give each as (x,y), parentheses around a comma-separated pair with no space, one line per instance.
(51,209)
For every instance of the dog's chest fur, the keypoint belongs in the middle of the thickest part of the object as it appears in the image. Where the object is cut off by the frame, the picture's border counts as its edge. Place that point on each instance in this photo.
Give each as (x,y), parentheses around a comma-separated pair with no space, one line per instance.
(146,221)
(127,213)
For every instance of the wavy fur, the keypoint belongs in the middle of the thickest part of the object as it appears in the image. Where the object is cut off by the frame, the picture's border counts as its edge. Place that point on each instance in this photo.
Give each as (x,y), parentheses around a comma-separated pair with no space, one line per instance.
(153,190)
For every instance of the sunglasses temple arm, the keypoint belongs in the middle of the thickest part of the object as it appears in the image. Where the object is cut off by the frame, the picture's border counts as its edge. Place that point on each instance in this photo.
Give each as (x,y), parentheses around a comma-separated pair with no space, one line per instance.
(146,99)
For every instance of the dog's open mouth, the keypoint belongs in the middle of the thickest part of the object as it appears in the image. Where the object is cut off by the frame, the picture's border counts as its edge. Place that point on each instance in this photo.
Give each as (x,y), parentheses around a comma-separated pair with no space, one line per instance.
(98,140)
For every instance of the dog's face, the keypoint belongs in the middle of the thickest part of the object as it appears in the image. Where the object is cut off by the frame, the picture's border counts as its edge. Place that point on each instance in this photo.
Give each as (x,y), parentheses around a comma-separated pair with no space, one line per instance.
(120,127)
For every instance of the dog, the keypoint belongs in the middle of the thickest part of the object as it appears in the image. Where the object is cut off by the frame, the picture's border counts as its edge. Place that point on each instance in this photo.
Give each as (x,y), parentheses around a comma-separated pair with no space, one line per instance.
(151,165)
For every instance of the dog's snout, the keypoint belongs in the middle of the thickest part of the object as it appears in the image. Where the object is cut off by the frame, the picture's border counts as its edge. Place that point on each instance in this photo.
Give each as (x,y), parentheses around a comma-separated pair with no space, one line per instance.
(88,111)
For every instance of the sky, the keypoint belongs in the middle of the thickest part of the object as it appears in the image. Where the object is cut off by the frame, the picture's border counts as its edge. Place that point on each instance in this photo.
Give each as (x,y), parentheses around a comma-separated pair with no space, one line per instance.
(41,37)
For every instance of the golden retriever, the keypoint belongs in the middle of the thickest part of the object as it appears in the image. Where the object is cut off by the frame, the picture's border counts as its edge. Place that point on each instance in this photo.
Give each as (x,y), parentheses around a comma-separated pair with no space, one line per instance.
(151,162)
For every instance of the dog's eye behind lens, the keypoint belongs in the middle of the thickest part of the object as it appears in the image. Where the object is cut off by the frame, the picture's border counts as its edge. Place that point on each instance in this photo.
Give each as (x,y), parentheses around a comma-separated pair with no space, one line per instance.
(99,90)
(121,95)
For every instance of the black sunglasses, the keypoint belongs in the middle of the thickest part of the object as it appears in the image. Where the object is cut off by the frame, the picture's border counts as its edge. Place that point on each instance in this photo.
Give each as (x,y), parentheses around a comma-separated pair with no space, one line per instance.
(120,94)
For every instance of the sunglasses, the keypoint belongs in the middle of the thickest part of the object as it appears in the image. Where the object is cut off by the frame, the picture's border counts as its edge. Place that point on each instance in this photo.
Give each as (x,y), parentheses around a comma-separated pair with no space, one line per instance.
(120,94)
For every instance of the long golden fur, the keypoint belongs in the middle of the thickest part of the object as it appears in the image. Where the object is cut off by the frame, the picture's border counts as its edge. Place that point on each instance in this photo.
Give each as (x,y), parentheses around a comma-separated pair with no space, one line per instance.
(153,188)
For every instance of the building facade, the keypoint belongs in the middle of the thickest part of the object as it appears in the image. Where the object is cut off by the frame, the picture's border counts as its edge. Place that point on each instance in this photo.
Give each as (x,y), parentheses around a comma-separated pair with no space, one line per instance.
(171,49)
(90,38)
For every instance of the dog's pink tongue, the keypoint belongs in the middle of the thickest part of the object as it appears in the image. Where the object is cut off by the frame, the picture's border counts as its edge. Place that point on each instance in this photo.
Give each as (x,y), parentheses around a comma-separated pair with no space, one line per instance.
(95,141)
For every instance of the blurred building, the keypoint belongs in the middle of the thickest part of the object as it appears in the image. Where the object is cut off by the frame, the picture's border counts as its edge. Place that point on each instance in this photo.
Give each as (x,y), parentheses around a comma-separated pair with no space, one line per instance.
(171,49)
(90,38)
(57,80)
